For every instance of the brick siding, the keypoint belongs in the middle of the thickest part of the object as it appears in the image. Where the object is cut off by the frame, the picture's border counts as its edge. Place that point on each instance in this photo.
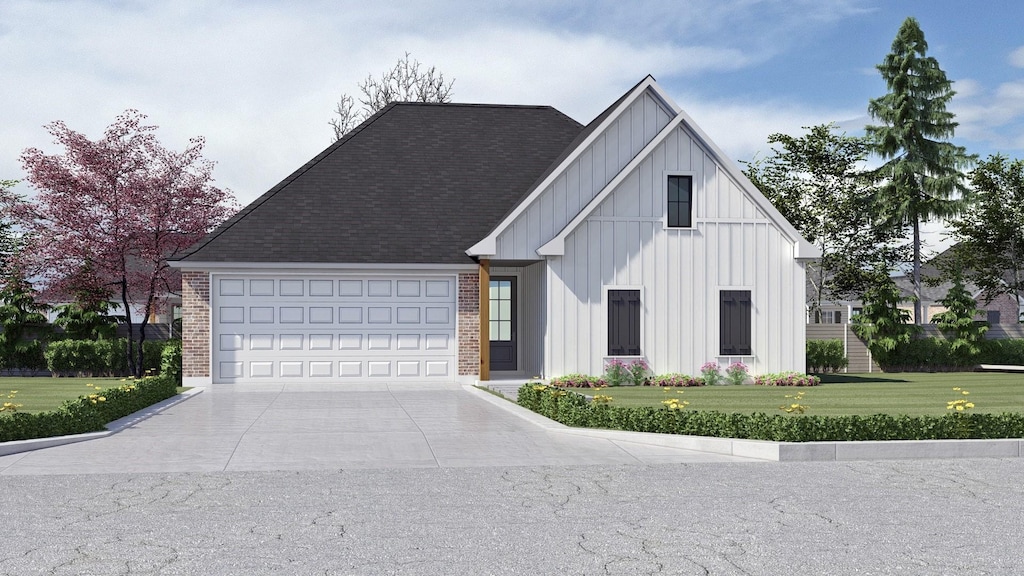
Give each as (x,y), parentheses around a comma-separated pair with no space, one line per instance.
(195,324)
(469,324)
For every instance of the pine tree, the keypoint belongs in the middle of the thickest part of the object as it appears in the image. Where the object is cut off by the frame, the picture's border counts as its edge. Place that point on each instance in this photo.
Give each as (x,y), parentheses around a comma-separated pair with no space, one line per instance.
(922,177)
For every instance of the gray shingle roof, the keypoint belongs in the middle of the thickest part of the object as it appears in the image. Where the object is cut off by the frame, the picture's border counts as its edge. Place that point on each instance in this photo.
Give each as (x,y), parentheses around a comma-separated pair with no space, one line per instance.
(415,183)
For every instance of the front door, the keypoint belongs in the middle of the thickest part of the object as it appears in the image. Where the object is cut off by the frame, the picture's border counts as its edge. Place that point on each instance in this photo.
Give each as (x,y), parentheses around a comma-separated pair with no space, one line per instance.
(503,323)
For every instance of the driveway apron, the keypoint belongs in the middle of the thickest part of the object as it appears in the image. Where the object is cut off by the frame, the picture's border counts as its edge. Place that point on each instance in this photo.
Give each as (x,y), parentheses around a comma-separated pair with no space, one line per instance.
(307,426)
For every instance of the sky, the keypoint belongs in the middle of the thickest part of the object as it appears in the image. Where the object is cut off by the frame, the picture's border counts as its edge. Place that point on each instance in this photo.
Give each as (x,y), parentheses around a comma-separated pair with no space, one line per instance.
(258,79)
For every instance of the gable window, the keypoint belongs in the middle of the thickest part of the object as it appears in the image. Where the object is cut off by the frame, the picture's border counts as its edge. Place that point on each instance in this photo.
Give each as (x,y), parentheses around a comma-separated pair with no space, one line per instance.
(623,322)
(680,201)
(735,333)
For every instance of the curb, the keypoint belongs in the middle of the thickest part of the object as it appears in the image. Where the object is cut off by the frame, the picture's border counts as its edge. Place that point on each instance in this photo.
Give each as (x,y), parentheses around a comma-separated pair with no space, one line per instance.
(784,451)
(16,446)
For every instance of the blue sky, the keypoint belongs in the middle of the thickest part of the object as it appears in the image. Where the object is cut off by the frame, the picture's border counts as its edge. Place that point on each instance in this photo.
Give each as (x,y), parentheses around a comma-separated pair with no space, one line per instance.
(259,79)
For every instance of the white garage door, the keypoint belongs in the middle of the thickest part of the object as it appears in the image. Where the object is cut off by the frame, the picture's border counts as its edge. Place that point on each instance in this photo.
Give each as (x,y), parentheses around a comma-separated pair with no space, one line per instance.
(333,328)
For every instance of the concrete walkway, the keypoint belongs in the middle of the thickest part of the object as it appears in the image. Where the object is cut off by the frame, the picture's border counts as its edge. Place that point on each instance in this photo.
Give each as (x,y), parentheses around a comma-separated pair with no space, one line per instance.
(321,427)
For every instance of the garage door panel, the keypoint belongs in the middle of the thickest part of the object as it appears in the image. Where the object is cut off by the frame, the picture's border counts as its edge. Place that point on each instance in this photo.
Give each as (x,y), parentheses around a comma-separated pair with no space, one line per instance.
(342,328)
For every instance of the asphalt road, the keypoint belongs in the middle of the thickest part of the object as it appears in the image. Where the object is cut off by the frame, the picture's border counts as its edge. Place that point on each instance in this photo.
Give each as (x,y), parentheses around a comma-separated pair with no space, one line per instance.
(961,517)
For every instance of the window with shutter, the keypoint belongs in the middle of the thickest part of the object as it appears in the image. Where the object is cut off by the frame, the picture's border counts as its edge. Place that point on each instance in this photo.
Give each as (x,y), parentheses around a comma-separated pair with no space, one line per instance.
(623,322)
(735,330)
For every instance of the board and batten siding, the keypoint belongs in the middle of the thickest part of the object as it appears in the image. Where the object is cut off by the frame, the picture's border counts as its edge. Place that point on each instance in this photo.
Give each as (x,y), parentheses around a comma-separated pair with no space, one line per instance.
(680,272)
(561,201)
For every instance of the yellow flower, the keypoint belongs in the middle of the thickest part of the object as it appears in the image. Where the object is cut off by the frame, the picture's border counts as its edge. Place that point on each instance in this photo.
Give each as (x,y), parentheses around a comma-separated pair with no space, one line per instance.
(965,392)
(969,405)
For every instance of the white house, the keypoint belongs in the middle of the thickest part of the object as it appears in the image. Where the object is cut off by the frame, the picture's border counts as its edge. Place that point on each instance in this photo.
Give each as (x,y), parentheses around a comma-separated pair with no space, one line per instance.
(464,242)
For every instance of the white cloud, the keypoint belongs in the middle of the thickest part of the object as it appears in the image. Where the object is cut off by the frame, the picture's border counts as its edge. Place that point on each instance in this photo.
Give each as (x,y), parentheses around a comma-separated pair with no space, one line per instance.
(741,128)
(1017,57)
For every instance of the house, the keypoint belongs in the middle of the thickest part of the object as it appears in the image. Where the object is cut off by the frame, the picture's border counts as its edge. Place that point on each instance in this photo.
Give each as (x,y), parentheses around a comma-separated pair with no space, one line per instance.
(465,242)
(1001,309)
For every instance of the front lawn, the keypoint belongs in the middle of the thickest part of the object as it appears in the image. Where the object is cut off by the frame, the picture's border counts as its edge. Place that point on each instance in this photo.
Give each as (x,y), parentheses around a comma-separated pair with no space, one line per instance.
(58,407)
(42,394)
(913,394)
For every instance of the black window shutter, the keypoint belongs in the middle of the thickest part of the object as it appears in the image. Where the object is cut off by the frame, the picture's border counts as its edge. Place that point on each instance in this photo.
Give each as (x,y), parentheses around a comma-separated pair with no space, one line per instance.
(735,323)
(623,322)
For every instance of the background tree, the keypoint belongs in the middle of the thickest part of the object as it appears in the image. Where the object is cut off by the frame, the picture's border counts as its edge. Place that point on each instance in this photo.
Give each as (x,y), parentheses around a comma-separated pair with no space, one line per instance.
(8,239)
(958,323)
(922,175)
(817,183)
(23,323)
(990,232)
(110,212)
(882,324)
(407,81)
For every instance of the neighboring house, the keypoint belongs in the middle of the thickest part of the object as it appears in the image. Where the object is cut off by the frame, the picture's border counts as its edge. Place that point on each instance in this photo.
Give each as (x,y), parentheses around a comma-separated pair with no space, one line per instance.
(1003,309)
(466,242)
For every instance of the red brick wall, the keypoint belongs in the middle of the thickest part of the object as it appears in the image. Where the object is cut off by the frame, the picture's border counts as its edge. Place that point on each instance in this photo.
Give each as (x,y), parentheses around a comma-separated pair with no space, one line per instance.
(469,324)
(195,324)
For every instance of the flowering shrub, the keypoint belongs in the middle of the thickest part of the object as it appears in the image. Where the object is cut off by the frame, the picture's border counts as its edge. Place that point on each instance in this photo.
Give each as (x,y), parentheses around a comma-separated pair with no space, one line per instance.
(961,404)
(794,406)
(674,380)
(11,407)
(639,371)
(578,381)
(601,399)
(736,373)
(675,404)
(711,373)
(786,379)
(616,372)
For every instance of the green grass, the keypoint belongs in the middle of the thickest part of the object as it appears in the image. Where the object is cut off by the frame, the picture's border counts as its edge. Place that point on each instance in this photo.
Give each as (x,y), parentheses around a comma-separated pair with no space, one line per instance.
(912,394)
(44,394)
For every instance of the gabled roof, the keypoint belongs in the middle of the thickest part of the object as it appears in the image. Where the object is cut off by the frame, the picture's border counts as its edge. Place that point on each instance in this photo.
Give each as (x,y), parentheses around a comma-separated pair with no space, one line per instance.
(488,245)
(414,184)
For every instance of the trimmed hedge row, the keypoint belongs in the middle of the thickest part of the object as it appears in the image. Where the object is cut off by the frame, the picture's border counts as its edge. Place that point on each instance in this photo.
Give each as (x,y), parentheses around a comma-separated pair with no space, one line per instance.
(826,356)
(930,354)
(89,413)
(573,409)
(104,357)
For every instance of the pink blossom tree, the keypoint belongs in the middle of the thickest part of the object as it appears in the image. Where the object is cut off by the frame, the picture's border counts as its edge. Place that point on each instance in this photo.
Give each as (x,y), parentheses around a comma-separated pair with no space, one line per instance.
(117,207)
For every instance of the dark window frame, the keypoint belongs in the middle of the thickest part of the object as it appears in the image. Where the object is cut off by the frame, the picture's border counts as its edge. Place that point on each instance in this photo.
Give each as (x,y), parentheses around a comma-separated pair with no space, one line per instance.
(624,310)
(678,202)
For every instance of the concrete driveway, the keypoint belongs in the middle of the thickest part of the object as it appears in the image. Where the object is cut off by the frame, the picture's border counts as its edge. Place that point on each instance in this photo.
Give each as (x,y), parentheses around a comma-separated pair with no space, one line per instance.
(321,427)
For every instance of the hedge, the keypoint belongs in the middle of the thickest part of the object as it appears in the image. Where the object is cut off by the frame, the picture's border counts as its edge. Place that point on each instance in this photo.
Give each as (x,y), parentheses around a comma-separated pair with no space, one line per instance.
(934,354)
(106,357)
(573,409)
(89,413)
(825,355)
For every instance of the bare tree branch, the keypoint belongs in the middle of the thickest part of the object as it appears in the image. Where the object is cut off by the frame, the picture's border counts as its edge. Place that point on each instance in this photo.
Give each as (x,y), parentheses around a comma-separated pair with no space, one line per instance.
(407,81)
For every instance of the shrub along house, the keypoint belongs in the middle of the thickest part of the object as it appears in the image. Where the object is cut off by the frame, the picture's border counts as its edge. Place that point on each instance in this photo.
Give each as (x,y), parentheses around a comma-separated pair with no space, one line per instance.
(464,242)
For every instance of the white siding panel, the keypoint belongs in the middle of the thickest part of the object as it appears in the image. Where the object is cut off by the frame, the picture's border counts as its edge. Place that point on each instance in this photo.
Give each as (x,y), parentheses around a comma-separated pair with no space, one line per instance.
(572,190)
(680,271)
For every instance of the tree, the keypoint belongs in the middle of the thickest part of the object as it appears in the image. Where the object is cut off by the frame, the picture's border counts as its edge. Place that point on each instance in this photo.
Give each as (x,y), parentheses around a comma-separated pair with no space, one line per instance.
(958,322)
(110,212)
(8,240)
(990,232)
(23,320)
(406,82)
(816,183)
(882,324)
(922,175)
